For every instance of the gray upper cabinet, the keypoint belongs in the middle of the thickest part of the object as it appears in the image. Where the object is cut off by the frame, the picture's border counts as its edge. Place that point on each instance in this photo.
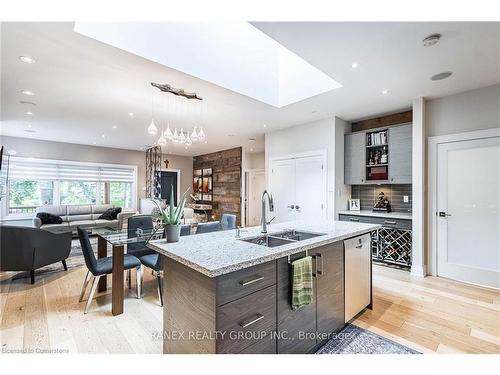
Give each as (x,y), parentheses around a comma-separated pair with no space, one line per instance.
(354,158)
(400,146)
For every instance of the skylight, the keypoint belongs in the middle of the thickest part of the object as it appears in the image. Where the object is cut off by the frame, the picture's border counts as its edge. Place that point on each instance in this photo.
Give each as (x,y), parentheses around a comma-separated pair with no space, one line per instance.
(236,56)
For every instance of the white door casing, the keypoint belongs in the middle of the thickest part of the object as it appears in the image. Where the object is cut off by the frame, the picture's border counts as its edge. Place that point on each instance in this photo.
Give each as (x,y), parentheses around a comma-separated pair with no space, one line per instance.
(468,211)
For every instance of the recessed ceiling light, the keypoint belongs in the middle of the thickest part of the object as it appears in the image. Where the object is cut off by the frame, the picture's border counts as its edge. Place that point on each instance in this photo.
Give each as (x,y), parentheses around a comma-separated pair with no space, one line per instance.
(103,136)
(29,113)
(12,152)
(26,102)
(385,92)
(206,142)
(440,76)
(114,126)
(28,92)
(431,40)
(265,126)
(30,126)
(131,114)
(94,143)
(26,59)
(354,65)
(251,149)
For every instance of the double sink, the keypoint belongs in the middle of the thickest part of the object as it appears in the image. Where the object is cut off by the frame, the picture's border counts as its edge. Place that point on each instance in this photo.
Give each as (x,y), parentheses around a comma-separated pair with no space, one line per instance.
(282,238)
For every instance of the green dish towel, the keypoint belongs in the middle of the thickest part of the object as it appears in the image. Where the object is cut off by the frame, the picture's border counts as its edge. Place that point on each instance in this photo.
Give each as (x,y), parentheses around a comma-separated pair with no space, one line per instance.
(302,282)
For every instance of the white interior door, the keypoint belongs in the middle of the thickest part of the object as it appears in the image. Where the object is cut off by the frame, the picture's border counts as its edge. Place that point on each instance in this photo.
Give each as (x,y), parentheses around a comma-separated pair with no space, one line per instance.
(468,204)
(257,185)
(309,189)
(282,187)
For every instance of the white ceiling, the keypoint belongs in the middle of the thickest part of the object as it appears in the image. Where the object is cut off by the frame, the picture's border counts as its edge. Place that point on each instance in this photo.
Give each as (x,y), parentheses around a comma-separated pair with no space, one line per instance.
(84,87)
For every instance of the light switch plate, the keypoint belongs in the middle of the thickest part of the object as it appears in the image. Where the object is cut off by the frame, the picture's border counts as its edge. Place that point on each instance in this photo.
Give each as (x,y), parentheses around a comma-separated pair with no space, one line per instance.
(406,199)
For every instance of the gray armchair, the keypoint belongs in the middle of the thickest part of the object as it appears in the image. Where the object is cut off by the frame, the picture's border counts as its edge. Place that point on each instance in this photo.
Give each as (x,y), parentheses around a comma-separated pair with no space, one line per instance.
(26,249)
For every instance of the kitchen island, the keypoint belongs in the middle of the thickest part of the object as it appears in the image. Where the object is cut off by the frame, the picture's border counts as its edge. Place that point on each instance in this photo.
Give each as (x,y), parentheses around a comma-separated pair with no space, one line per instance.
(225,294)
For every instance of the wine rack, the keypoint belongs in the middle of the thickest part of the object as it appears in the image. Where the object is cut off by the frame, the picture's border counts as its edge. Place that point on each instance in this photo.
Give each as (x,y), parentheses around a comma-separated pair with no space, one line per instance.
(393,246)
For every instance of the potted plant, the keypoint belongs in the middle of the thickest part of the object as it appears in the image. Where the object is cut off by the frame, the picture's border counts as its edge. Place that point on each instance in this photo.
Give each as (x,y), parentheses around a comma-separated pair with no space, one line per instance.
(171,217)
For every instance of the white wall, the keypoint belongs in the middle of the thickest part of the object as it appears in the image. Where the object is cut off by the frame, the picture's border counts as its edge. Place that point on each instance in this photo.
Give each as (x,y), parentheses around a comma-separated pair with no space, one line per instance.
(468,111)
(256,160)
(67,151)
(318,135)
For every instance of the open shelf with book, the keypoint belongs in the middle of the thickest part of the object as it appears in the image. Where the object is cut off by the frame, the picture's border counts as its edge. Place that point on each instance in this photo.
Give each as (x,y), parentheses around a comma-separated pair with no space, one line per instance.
(377,156)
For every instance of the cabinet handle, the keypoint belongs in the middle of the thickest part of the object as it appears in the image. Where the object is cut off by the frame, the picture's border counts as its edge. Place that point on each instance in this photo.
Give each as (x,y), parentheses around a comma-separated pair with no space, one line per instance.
(321,271)
(251,281)
(353,219)
(359,246)
(248,323)
(389,222)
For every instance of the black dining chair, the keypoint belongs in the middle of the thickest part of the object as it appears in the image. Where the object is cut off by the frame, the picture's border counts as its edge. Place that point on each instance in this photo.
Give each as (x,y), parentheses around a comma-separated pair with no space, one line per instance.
(144,222)
(101,267)
(155,262)
(212,226)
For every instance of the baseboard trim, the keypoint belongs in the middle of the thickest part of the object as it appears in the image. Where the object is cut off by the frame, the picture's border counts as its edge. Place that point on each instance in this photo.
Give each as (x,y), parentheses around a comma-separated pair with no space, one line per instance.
(420,271)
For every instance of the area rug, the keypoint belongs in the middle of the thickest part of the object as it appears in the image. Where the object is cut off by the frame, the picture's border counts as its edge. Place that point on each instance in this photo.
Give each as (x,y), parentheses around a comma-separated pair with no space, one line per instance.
(75,260)
(355,340)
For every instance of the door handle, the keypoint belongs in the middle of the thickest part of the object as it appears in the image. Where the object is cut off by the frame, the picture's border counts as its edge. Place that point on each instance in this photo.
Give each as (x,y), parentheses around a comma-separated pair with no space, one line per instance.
(251,281)
(320,271)
(248,323)
(291,207)
(443,214)
(390,222)
(353,219)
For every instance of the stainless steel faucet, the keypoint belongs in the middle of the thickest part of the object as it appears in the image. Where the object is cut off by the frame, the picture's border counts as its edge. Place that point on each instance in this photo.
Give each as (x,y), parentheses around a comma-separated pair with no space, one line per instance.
(263,219)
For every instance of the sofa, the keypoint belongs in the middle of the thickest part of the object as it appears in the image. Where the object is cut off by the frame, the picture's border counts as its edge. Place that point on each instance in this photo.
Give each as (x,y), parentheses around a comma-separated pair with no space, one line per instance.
(27,249)
(85,216)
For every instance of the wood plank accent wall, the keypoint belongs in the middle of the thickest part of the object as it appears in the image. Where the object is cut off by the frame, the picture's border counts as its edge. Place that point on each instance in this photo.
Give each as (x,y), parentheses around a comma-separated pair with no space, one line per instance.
(226,169)
(388,120)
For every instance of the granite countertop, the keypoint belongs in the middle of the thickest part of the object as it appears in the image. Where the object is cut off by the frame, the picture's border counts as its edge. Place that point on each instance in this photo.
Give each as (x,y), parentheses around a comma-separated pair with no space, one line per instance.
(392,215)
(217,253)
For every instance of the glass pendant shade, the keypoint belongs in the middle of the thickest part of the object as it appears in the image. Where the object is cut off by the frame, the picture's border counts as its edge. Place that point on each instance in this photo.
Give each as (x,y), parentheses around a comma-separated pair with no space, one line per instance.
(168,133)
(189,142)
(201,135)
(175,137)
(152,129)
(182,137)
(162,141)
(194,135)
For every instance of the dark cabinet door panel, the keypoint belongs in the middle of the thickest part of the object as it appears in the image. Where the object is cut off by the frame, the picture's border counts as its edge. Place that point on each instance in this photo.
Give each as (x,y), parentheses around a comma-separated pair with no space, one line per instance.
(296,328)
(238,284)
(246,321)
(329,289)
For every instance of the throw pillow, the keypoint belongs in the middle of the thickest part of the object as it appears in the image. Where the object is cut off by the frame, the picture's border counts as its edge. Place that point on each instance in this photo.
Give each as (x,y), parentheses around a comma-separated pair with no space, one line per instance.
(111,213)
(49,218)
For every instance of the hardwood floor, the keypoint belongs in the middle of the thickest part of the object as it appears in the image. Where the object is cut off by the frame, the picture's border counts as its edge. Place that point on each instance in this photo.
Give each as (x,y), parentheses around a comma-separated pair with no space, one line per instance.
(429,315)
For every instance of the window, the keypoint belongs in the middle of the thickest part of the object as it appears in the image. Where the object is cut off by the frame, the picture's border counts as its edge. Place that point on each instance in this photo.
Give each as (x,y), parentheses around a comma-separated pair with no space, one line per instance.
(78,192)
(26,195)
(33,183)
(118,194)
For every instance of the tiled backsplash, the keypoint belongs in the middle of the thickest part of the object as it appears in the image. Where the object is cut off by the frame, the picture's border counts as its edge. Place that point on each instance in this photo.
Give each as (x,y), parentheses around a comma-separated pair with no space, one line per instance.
(368,195)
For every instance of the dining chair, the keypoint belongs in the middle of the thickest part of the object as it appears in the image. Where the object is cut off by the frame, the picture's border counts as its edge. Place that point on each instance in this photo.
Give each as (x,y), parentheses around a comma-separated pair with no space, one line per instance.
(212,226)
(101,267)
(228,221)
(155,262)
(138,249)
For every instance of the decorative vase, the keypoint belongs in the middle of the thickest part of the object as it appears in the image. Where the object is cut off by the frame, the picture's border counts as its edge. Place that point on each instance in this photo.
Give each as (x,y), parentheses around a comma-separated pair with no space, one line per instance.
(172,232)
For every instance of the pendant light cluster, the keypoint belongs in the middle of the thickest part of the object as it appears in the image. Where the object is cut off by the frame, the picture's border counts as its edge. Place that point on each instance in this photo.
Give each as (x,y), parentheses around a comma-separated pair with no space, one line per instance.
(177,136)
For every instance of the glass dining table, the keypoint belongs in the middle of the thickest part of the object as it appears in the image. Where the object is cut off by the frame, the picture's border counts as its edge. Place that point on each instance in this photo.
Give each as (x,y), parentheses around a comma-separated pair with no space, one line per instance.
(119,239)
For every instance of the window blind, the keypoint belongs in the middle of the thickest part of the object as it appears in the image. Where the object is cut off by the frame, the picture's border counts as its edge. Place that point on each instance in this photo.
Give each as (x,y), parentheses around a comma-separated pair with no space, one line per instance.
(32,169)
